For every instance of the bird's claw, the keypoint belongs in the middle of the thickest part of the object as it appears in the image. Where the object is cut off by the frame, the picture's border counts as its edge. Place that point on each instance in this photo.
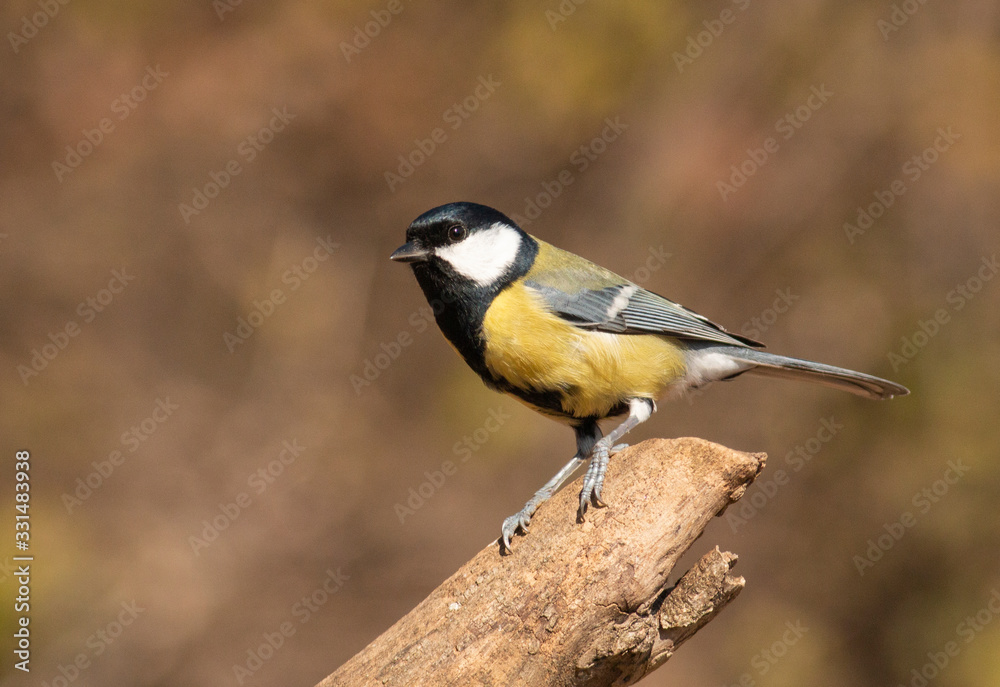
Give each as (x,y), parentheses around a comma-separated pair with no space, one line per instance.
(518,521)
(593,481)
(618,448)
(590,495)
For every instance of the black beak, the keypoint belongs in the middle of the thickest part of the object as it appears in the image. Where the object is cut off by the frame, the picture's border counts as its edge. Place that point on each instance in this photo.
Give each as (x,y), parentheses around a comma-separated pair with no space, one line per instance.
(409,252)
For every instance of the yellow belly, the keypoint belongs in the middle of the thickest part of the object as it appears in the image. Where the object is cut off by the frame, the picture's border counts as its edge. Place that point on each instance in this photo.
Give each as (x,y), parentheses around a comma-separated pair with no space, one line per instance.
(534,349)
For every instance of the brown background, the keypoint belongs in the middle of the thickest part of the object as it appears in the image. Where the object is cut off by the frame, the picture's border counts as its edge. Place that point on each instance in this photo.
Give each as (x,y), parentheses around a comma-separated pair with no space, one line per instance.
(652,190)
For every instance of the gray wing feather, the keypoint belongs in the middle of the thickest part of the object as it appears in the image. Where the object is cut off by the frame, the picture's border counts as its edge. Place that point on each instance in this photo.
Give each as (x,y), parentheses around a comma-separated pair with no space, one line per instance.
(629,309)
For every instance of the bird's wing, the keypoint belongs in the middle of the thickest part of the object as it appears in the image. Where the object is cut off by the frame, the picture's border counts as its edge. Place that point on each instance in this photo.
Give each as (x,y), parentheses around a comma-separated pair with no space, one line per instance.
(592,297)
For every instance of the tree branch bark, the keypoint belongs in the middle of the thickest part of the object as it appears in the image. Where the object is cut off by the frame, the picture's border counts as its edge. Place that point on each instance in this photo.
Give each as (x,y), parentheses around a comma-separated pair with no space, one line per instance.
(578,604)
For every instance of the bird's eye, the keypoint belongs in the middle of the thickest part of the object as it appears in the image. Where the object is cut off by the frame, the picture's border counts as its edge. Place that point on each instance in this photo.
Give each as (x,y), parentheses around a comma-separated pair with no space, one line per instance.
(456,232)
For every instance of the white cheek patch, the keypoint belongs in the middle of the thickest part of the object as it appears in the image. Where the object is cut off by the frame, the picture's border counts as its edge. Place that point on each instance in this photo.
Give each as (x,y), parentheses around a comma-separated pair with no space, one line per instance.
(485,255)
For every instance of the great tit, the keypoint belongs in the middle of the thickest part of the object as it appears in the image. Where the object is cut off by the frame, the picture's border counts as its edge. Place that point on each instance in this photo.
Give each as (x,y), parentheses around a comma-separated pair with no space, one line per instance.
(575,341)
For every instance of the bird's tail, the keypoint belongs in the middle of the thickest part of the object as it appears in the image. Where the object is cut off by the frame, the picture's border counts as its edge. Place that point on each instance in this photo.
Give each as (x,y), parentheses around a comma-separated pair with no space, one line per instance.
(770,365)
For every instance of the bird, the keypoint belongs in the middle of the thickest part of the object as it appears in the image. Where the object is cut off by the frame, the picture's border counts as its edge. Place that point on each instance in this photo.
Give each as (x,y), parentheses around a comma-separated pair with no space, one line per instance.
(575,341)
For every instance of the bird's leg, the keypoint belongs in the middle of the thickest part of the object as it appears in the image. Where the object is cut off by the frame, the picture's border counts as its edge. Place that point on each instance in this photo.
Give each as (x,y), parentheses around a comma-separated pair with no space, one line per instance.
(586,437)
(639,411)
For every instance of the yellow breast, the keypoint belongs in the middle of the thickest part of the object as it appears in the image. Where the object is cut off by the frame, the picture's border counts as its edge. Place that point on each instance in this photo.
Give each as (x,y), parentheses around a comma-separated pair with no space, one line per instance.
(535,349)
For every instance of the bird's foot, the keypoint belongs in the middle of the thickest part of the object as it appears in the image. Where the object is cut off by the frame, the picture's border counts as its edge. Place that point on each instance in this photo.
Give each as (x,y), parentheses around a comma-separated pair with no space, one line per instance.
(618,448)
(521,519)
(518,521)
(593,481)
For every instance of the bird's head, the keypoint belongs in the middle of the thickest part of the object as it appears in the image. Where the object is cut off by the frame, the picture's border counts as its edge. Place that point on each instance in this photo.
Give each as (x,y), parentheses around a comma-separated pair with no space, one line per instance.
(466,243)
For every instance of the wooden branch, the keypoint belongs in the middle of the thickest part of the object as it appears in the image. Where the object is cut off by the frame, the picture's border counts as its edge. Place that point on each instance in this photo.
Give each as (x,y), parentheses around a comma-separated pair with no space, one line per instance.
(577,604)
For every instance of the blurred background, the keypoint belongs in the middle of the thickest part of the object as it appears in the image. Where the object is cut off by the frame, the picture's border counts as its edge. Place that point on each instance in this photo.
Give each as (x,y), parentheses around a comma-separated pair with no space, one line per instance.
(232,398)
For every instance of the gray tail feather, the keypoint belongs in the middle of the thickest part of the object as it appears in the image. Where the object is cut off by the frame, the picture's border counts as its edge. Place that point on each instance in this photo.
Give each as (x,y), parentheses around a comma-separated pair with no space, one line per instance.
(770,365)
